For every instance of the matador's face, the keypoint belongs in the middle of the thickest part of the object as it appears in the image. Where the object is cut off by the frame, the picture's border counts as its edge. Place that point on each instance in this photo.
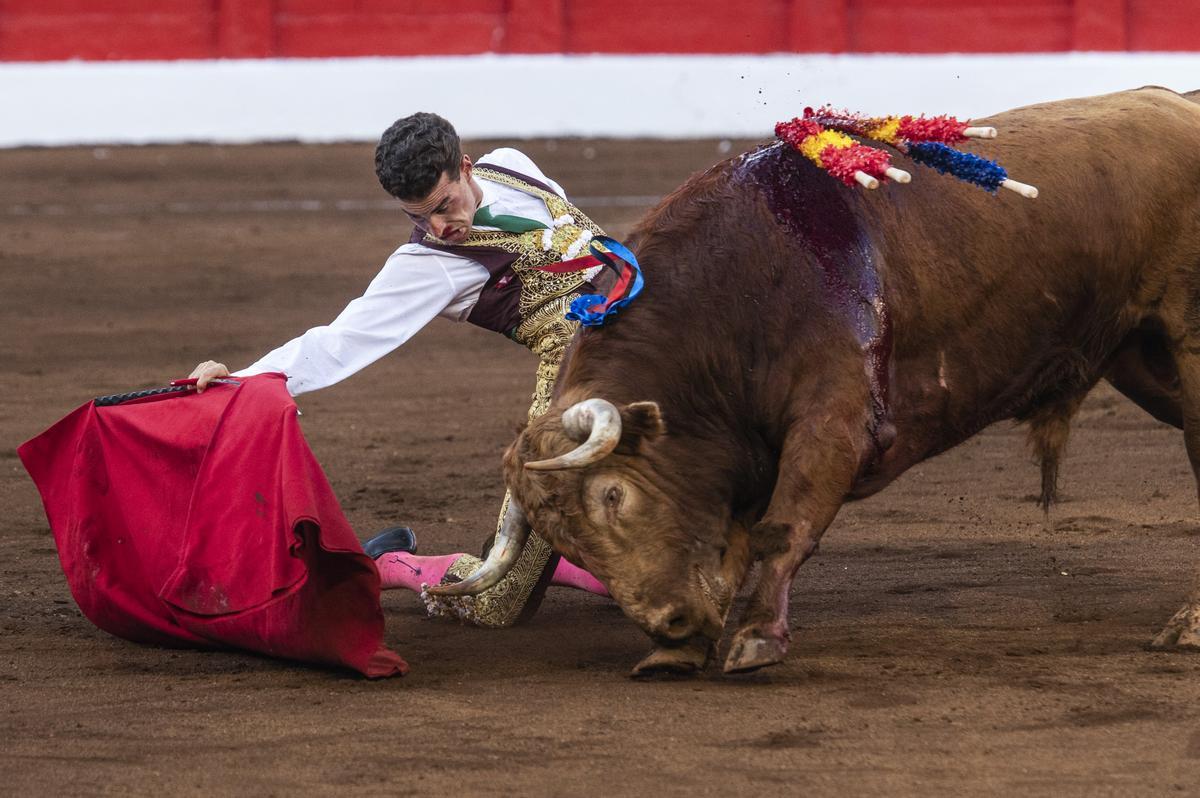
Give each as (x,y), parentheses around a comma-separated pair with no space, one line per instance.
(447,211)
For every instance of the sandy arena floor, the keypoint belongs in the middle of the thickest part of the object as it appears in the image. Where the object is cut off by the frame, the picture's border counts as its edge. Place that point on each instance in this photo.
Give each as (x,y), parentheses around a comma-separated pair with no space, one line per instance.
(948,639)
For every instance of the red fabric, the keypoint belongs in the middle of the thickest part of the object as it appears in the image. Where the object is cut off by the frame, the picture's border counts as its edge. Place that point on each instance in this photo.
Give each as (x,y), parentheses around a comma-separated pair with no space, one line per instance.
(587,262)
(204,520)
(573,265)
(617,291)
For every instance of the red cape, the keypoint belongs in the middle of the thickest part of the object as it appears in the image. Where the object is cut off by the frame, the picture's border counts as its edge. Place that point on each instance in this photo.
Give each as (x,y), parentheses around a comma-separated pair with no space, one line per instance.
(204,520)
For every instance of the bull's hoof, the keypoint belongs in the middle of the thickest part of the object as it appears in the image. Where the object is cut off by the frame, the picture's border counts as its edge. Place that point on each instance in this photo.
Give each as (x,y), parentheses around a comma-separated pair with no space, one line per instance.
(750,652)
(686,660)
(1182,632)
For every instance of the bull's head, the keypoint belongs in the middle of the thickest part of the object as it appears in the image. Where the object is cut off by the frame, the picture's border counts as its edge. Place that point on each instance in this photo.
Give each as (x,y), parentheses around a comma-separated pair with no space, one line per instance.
(601,485)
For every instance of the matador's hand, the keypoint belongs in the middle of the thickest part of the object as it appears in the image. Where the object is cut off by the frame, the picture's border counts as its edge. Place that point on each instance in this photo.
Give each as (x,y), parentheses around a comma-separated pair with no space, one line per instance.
(208,371)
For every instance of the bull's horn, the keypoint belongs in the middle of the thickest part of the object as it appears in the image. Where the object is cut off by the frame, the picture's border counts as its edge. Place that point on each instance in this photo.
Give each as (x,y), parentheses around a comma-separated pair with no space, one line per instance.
(597,423)
(510,540)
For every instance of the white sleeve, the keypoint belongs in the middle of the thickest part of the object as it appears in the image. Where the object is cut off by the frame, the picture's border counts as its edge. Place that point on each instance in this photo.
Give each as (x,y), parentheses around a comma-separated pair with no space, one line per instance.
(406,294)
(521,163)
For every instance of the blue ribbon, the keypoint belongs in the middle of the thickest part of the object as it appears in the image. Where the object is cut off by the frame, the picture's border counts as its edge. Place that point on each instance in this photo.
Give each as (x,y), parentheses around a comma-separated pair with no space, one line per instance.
(580,306)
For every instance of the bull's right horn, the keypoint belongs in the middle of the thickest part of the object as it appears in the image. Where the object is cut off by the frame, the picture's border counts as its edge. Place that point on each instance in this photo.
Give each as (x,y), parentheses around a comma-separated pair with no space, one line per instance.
(597,423)
(510,540)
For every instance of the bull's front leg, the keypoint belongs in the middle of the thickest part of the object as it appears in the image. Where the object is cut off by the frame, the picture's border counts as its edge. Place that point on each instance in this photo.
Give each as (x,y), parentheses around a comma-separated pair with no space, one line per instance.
(1182,632)
(816,470)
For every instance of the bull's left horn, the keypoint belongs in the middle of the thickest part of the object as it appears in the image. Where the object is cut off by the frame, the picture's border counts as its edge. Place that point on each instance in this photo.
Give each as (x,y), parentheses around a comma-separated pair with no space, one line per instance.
(510,540)
(597,423)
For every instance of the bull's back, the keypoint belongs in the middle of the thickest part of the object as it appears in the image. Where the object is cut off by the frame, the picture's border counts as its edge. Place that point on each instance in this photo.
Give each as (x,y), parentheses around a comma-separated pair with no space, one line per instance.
(1098,162)
(1000,302)
(1118,177)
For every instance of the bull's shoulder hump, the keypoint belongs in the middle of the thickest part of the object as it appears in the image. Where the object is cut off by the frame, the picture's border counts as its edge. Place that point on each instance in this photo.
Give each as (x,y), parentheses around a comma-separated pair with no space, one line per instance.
(1147,105)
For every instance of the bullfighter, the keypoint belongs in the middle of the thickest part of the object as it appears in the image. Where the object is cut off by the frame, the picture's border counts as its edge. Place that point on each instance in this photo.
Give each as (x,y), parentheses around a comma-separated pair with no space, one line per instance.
(482,233)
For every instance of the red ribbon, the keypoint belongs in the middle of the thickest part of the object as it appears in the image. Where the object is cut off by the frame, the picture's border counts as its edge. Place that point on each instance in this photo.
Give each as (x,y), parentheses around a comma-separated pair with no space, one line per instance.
(588,261)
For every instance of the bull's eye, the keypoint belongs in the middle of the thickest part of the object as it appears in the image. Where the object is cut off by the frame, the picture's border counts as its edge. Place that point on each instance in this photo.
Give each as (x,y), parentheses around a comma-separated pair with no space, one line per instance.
(612,498)
(607,501)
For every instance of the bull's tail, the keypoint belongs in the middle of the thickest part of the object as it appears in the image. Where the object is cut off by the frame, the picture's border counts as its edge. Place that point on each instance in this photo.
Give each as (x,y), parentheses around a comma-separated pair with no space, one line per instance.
(1049,429)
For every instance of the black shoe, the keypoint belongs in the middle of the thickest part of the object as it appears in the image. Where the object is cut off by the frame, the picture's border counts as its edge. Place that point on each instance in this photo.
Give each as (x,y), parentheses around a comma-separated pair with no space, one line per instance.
(394,538)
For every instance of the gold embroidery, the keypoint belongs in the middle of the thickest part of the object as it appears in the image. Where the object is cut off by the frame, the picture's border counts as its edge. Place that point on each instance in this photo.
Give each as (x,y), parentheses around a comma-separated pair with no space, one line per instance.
(500,605)
(537,287)
(545,298)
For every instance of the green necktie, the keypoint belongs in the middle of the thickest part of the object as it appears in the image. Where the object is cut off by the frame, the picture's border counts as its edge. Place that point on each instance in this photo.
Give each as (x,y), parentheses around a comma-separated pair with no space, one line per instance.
(509,224)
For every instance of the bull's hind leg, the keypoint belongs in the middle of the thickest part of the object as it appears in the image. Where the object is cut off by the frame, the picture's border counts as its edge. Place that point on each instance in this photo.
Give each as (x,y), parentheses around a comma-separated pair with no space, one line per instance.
(816,469)
(1143,369)
(1183,630)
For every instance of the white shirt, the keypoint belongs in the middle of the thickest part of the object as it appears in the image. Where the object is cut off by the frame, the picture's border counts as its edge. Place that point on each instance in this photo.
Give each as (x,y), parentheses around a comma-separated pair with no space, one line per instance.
(415,285)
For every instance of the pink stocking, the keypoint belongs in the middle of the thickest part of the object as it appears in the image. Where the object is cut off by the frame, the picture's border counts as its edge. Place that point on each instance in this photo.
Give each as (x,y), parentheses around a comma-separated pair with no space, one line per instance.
(568,575)
(410,571)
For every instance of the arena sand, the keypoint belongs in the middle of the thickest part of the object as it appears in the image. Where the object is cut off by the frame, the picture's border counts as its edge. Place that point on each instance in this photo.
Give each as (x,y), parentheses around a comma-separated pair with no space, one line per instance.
(948,640)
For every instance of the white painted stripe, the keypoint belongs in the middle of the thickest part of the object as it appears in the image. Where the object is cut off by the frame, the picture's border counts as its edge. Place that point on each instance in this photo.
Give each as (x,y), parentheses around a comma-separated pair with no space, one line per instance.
(271,206)
(321,100)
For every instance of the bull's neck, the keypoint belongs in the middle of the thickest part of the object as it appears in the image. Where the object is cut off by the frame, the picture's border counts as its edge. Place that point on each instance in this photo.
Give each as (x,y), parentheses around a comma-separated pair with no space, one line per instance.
(816,211)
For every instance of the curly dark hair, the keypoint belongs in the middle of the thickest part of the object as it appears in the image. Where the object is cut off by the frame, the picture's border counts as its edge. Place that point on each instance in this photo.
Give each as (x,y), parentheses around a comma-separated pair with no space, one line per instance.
(413,153)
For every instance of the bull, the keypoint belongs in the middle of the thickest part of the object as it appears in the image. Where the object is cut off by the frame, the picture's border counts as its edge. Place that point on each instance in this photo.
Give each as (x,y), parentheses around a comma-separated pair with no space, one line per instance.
(801,345)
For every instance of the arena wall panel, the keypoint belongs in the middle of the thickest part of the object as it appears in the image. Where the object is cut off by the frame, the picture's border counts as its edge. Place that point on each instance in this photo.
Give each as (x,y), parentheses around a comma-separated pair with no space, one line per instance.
(99,30)
(621,96)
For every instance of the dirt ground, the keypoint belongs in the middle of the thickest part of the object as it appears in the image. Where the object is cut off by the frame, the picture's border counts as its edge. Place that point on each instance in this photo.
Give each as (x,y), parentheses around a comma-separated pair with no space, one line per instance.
(948,639)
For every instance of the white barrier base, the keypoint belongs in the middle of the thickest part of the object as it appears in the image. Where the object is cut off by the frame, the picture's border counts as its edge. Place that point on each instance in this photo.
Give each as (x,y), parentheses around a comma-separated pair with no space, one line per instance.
(492,96)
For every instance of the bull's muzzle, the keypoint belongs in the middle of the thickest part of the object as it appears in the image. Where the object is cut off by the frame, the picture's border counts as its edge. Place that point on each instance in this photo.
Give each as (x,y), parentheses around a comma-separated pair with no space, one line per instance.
(680,623)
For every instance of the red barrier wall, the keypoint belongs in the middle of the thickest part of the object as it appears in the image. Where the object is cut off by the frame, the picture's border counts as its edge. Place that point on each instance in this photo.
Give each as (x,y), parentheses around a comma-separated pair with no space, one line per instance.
(49,30)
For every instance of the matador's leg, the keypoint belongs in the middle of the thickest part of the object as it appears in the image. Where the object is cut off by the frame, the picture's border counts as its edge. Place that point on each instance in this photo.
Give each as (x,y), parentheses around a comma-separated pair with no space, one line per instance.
(517,596)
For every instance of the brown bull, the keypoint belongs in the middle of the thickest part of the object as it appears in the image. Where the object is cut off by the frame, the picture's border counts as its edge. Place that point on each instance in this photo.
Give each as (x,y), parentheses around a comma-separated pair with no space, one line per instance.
(801,344)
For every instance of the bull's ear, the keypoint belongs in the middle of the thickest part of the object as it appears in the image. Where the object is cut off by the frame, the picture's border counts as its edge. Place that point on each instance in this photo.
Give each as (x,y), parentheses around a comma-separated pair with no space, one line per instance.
(641,420)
